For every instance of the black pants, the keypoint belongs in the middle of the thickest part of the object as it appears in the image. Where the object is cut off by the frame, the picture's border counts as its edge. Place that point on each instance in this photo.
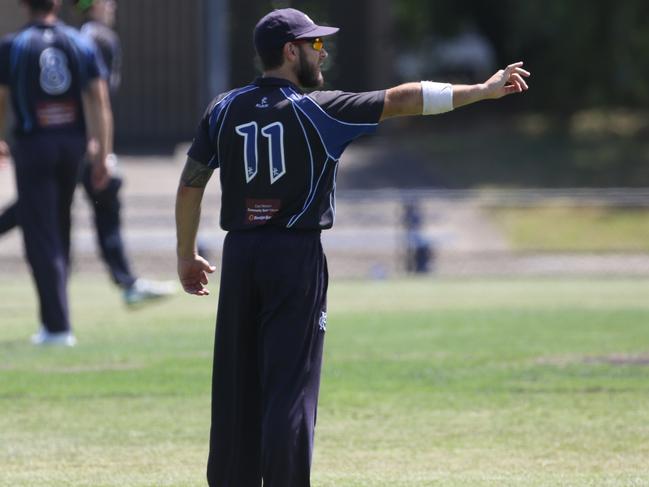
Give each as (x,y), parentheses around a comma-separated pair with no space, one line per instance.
(267,358)
(106,207)
(47,169)
(8,218)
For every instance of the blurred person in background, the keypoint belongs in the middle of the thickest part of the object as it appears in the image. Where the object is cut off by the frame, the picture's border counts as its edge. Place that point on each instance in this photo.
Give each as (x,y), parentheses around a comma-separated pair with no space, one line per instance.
(419,250)
(277,151)
(100,16)
(55,80)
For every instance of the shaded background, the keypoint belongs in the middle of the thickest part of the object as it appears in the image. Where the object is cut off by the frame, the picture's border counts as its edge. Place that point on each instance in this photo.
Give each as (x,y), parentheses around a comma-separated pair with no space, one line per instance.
(583,123)
(551,182)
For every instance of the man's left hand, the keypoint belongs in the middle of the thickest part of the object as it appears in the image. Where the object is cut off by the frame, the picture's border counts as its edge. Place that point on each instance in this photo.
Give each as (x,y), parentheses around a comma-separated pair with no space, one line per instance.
(507,81)
(192,272)
(100,175)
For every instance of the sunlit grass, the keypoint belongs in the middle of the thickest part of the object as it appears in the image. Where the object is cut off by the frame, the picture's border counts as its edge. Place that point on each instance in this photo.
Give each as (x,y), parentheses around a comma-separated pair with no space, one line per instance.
(453,382)
(569,228)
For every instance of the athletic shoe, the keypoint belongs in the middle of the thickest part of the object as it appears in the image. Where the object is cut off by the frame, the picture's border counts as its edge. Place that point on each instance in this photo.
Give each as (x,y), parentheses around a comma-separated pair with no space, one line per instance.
(144,290)
(59,339)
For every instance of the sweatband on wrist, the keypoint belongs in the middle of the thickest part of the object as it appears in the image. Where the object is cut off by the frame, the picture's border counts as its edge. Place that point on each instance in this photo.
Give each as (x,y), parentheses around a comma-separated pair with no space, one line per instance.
(438,97)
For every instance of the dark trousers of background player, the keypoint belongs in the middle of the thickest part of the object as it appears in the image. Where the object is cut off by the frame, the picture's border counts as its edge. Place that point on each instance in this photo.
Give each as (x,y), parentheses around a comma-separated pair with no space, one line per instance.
(47,168)
(106,206)
(270,329)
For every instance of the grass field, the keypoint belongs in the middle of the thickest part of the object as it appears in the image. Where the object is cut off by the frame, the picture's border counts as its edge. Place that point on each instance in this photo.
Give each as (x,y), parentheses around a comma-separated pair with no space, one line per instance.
(426,383)
(566,228)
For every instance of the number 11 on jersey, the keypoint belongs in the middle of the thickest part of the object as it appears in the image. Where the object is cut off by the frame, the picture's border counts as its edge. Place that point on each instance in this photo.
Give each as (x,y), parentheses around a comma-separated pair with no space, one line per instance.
(274,133)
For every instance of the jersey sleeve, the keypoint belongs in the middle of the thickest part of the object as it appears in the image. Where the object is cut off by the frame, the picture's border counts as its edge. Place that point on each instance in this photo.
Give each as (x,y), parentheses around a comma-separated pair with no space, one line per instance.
(96,66)
(363,108)
(340,117)
(108,48)
(93,65)
(204,146)
(202,149)
(5,69)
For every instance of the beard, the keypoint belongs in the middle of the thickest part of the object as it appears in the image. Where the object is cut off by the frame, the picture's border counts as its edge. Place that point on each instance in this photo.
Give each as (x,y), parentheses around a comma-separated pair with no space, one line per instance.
(309,76)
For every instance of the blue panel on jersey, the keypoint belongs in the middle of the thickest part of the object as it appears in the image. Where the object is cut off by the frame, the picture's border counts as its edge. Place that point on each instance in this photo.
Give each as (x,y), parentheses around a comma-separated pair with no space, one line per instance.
(335,134)
(19,70)
(217,117)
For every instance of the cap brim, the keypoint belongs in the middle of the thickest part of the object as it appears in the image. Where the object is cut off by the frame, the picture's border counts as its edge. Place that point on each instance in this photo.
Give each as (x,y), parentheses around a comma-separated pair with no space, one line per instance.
(319,31)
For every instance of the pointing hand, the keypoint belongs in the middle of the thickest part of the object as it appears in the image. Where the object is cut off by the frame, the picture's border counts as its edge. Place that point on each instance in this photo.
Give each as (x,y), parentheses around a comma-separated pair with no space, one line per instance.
(507,81)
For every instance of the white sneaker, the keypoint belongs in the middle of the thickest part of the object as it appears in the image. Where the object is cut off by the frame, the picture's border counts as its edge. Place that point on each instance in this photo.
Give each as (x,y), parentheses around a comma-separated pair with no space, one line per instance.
(144,290)
(61,339)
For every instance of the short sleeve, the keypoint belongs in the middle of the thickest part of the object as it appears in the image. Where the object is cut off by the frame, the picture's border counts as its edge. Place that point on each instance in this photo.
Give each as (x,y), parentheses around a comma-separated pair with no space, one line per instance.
(92,65)
(364,107)
(5,68)
(340,117)
(201,149)
(96,68)
(108,49)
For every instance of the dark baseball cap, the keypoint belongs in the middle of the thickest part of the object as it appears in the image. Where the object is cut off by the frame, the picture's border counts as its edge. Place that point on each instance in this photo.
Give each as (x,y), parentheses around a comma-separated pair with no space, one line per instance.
(285,25)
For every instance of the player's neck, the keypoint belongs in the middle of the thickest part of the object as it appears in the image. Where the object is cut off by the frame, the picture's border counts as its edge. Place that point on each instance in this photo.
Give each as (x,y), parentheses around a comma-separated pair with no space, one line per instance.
(43,18)
(283,72)
(98,19)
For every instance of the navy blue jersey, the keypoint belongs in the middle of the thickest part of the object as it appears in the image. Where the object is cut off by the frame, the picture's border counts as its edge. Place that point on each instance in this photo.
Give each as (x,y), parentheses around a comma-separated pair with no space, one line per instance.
(278,149)
(47,67)
(110,48)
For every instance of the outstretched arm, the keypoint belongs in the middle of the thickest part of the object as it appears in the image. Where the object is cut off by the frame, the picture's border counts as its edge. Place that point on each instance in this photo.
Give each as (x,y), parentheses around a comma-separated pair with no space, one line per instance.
(409,99)
(192,268)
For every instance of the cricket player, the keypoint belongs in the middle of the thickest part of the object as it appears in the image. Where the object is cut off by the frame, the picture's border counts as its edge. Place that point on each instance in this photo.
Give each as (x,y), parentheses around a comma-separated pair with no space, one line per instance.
(277,150)
(100,17)
(55,81)
(106,203)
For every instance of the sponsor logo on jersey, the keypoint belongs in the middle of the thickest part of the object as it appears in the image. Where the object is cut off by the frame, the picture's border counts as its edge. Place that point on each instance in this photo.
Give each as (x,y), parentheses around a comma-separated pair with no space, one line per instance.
(48,36)
(259,212)
(263,103)
(56,114)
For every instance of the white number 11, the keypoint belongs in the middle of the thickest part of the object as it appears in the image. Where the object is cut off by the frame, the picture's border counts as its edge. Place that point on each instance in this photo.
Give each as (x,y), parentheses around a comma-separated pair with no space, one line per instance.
(274,132)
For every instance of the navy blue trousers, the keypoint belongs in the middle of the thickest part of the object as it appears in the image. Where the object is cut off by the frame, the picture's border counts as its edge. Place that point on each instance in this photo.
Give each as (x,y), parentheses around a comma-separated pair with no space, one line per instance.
(8,218)
(107,207)
(267,358)
(47,170)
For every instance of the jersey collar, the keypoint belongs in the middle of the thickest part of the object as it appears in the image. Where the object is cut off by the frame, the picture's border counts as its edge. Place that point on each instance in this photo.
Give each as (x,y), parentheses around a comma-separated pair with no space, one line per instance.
(261,82)
(40,23)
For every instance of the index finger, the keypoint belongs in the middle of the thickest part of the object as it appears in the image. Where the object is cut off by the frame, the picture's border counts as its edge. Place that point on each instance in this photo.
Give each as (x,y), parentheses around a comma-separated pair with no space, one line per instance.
(517,64)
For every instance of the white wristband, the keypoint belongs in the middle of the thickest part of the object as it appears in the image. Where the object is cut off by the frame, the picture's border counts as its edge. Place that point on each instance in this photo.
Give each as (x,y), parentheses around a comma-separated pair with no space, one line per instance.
(438,97)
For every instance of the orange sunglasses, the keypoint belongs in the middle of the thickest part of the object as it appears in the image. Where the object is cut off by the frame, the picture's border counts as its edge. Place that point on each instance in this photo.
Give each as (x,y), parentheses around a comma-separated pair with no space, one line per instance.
(317,43)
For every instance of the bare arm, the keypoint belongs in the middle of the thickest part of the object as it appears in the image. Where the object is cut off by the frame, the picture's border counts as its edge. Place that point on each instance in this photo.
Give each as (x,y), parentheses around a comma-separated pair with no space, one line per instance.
(192,268)
(4,148)
(407,99)
(99,126)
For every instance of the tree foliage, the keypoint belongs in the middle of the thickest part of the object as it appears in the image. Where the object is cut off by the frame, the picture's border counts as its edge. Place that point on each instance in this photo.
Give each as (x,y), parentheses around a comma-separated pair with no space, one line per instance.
(583,53)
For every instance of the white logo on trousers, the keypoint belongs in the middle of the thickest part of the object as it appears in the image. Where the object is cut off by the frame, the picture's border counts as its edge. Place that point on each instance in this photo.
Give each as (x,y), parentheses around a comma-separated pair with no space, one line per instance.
(322,322)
